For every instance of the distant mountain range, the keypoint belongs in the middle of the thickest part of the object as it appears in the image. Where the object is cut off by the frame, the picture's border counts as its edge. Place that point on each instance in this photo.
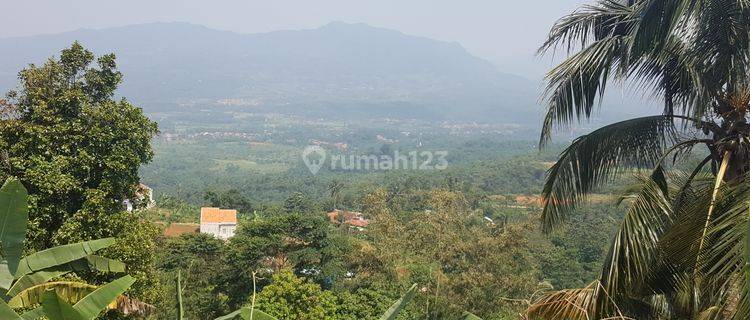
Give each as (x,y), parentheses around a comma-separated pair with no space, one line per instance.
(332,70)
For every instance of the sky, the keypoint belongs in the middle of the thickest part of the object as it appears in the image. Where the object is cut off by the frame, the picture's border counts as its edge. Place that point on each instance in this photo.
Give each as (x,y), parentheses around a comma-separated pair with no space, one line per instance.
(504,32)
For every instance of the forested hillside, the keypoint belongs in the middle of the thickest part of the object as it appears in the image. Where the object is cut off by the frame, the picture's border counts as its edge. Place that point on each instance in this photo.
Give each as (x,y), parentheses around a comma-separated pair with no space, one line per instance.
(174,171)
(466,234)
(319,72)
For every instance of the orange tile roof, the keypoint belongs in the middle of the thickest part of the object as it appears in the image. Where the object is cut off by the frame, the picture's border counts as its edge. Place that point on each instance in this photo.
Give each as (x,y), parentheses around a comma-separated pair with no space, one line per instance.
(351,218)
(216,215)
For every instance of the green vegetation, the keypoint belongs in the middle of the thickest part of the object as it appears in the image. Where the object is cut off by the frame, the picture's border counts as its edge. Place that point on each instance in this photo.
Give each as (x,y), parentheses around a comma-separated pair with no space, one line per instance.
(459,243)
(681,251)
(27,280)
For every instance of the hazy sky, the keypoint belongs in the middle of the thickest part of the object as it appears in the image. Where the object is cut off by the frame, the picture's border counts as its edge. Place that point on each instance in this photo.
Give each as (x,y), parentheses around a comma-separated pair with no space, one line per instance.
(502,31)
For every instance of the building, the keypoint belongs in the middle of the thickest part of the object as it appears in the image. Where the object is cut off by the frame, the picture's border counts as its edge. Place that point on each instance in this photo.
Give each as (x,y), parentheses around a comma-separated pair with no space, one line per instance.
(220,223)
(144,199)
(354,220)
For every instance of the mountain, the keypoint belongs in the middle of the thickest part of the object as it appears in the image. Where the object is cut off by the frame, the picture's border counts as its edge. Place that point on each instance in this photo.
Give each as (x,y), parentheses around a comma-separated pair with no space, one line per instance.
(336,68)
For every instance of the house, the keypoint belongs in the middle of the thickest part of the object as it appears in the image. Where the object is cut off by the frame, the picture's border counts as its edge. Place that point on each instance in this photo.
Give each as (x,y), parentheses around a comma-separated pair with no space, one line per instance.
(144,198)
(220,223)
(353,219)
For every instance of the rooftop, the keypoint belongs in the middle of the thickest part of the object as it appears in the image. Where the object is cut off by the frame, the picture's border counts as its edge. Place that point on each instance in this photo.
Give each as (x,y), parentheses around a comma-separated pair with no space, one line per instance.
(217,215)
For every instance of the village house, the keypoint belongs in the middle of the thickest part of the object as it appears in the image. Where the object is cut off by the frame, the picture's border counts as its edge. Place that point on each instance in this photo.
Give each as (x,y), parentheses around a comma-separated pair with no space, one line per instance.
(220,223)
(144,198)
(354,220)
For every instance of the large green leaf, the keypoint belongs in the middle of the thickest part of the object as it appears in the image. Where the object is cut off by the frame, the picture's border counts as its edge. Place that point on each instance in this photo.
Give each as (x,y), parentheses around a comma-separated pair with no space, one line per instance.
(231,316)
(93,304)
(69,291)
(55,308)
(34,279)
(14,215)
(60,255)
(91,262)
(7,313)
(103,264)
(399,305)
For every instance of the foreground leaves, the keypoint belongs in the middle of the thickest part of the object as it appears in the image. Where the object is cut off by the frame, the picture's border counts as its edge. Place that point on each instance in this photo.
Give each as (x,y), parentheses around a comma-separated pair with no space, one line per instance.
(14,216)
(399,305)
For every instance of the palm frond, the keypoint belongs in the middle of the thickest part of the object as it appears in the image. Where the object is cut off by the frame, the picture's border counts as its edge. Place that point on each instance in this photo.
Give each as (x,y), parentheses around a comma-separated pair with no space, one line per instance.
(598,157)
(575,85)
(572,304)
(589,23)
(633,249)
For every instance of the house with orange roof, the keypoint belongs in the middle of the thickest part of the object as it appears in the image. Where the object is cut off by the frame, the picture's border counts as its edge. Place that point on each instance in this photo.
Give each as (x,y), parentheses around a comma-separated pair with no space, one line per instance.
(353,219)
(220,223)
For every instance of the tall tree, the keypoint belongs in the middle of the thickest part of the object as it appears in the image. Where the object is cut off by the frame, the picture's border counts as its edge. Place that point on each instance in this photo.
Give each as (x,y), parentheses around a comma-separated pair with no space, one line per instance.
(680,250)
(78,151)
(67,139)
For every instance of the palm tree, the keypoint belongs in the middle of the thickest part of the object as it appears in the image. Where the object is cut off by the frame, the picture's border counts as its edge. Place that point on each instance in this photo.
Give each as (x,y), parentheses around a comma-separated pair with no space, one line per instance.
(334,190)
(682,248)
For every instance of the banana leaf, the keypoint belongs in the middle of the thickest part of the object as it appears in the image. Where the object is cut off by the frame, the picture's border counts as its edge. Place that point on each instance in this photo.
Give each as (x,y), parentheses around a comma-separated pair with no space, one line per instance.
(230,316)
(34,279)
(99,263)
(246,313)
(60,255)
(69,291)
(7,313)
(55,308)
(14,216)
(88,263)
(91,305)
(399,305)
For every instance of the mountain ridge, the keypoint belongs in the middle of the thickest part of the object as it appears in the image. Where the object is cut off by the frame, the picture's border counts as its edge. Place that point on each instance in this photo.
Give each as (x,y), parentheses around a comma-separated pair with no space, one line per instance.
(337,63)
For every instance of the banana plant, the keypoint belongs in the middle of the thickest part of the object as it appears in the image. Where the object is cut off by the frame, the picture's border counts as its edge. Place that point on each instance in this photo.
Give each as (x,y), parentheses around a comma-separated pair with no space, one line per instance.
(88,308)
(24,281)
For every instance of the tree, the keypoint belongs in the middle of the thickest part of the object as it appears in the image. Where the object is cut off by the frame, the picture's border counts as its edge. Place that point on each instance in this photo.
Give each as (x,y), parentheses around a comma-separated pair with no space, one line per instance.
(199,259)
(69,142)
(230,199)
(294,241)
(678,252)
(459,260)
(77,150)
(334,191)
(298,202)
(291,297)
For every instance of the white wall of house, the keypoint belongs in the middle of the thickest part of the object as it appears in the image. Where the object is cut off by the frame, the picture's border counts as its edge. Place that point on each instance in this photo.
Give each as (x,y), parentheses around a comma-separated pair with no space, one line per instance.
(220,230)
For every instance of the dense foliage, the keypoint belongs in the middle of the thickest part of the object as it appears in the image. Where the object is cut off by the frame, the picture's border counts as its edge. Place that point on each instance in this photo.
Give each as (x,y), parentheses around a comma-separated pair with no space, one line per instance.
(467,235)
(78,152)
